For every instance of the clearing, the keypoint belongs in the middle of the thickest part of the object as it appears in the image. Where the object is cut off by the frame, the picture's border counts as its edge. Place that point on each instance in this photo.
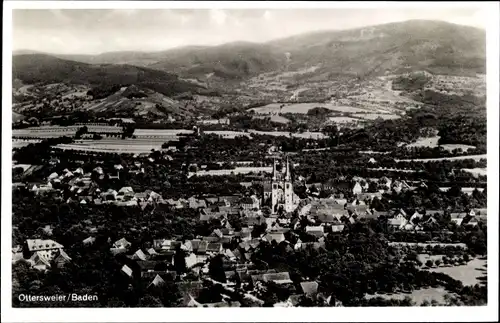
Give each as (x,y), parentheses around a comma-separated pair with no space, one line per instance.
(474,157)
(418,295)
(302,108)
(432,142)
(476,171)
(467,274)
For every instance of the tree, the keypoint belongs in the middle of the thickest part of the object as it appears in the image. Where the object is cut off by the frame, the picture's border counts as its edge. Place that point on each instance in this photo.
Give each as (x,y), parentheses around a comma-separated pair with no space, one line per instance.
(80,132)
(429,263)
(437,262)
(216,269)
(149,301)
(180,261)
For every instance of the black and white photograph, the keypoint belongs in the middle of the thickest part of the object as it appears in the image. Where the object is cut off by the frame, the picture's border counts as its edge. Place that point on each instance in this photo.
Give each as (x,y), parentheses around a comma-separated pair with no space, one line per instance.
(211,156)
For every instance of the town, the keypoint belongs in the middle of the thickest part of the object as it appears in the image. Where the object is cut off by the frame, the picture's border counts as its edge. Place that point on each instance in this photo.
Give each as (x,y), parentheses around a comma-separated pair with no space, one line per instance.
(337,168)
(254,232)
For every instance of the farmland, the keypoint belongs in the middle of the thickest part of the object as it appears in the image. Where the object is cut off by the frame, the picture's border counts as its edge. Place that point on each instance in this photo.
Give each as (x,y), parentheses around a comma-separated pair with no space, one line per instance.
(474,157)
(468,273)
(342,119)
(114,145)
(418,296)
(302,108)
(476,171)
(237,170)
(432,142)
(374,116)
(274,118)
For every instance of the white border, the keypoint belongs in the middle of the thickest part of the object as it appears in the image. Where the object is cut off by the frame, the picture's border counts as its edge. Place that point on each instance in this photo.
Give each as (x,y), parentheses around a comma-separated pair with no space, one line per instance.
(462,314)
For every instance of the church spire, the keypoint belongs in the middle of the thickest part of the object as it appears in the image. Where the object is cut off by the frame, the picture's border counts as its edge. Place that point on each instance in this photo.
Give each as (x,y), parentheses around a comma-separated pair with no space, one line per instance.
(274,170)
(288,177)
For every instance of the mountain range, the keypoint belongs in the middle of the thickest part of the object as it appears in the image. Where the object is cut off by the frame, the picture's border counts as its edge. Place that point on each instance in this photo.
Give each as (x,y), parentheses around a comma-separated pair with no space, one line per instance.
(395,48)
(437,46)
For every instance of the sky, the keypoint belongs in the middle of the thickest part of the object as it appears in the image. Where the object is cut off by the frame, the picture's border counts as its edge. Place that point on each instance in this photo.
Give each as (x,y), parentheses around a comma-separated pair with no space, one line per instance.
(86,31)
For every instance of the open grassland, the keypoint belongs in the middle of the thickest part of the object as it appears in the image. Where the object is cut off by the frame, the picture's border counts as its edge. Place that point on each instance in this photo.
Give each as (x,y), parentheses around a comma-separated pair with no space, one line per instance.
(468,274)
(374,116)
(274,118)
(237,170)
(477,171)
(302,108)
(432,142)
(418,296)
(474,157)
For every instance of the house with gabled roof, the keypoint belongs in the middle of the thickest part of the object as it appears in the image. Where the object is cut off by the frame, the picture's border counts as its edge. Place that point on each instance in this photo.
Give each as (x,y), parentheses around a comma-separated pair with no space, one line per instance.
(458,218)
(88,241)
(400,186)
(281,278)
(126,270)
(214,248)
(195,203)
(34,245)
(157,281)
(357,189)
(416,217)
(337,228)
(309,288)
(122,244)
(317,231)
(139,255)
(42,253)
(274,236)
(398,222)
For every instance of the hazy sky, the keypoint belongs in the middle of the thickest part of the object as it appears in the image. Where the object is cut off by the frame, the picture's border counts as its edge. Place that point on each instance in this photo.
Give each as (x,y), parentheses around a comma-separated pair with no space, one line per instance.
(87,31)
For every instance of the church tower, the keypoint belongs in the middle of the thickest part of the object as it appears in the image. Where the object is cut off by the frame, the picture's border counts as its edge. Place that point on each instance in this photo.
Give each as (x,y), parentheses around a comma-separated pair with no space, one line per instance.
(288,188)
(274,190)
(281,189)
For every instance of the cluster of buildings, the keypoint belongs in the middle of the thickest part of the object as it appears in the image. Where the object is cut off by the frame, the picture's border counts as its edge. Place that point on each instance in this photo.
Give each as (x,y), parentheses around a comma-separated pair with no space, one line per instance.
(157,263)
(41,254)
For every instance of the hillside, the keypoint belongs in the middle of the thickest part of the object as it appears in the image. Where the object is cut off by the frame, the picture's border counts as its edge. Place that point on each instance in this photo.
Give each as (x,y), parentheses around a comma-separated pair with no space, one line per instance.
(370,69)
(232,61)
(394,48)
(41,68)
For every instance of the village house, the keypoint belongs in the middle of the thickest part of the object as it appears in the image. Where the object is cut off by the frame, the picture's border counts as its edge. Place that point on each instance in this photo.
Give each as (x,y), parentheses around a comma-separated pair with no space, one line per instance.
(250,203)
(317,231)
(399,221)
(120,246)
(42,254)
(400,186)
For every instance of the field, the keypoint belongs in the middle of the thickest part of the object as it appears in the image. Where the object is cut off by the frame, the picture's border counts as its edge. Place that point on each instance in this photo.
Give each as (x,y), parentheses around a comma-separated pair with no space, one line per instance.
(476,171)
(56,131)
(307,134)
(432,142)
(25,167)
(474,157)
(467,274)
(145,141)
(394,169)
(237,170)
(374,116)
(342,119)
(302,108)
(274,118)
(131,146)
(414,244)
(451,147)
(418,296)
(23,143)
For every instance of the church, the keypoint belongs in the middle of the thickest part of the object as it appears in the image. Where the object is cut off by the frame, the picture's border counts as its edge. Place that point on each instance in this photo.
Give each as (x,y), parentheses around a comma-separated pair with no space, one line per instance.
(280,191)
